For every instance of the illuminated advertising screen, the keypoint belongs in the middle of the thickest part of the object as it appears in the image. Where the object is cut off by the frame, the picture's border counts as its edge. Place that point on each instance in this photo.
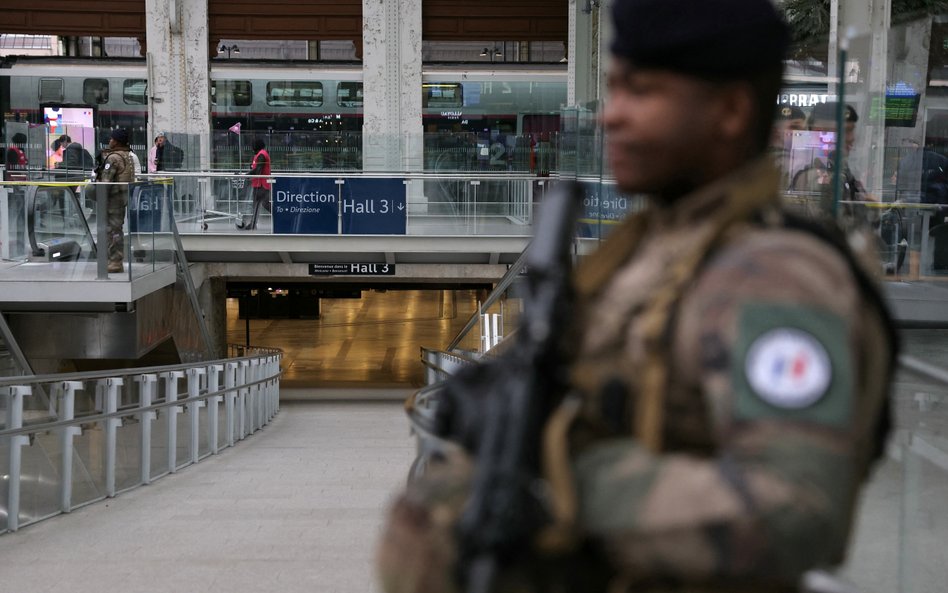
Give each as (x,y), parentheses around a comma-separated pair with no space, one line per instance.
(65,125)
(80,117)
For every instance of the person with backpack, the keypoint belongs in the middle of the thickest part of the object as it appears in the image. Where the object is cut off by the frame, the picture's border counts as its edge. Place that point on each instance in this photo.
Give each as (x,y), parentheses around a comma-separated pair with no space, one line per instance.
(15,158)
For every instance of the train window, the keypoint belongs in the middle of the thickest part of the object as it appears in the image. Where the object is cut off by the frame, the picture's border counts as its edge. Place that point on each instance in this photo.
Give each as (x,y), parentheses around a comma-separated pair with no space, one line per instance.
(135,91)
(51,90)
(442,95)
(294,93)
(227,93)
(349,94)
(95,91)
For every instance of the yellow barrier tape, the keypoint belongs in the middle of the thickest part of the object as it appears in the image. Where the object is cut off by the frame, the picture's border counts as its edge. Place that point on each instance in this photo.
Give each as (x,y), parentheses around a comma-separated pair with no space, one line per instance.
(597,221)
(161,181)
(46,183)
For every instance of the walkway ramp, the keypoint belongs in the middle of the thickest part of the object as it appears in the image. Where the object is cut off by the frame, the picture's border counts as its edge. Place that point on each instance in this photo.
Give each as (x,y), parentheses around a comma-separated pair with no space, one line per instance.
(295,509)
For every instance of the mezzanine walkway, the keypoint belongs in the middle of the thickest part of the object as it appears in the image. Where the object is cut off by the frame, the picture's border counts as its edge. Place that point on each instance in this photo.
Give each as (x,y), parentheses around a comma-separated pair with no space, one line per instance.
(296,508)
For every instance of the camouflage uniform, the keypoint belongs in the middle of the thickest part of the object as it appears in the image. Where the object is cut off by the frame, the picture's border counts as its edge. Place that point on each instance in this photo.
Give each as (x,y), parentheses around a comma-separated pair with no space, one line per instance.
(687,471)
(117,167)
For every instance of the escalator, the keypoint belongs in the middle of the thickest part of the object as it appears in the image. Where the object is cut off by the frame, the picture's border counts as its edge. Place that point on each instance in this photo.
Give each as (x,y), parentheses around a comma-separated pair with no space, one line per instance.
(57,225)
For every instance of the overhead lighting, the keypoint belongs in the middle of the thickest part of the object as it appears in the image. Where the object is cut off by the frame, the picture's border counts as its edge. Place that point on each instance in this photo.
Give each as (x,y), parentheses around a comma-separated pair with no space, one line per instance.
(230,49)
(496,52)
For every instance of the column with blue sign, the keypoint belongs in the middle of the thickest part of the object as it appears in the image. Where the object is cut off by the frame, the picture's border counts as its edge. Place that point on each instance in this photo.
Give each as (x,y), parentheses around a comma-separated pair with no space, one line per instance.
(145,207)
(374,207)
(305,206)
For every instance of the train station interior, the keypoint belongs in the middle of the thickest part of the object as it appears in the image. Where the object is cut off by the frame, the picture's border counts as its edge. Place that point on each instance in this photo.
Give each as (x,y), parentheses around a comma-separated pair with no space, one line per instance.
(290,347)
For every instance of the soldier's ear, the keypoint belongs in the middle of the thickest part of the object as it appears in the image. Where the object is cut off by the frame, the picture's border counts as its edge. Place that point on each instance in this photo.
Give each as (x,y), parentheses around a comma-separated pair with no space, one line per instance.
(737,112)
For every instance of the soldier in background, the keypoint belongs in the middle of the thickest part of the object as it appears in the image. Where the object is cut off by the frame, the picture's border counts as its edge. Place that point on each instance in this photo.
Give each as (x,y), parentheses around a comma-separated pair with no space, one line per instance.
(728,384)
(117,167)
(789,119)
(818,175)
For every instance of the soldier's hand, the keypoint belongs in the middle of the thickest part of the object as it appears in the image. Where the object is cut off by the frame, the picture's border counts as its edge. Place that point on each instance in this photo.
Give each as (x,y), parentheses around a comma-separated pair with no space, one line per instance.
(464,403)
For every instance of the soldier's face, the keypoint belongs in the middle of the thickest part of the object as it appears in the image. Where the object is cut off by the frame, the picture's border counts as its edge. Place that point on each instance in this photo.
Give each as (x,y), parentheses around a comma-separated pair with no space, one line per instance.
(782,128)
(660,129)
(849,133)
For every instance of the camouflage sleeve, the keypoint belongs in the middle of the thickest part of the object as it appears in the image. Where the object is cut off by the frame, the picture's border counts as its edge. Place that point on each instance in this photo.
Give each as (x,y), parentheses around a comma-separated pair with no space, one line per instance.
(417,551)
(778,345)
(111,168)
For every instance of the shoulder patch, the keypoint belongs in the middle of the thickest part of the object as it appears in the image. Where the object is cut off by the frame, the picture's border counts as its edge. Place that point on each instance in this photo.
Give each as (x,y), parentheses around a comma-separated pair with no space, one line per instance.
(788,368)
(108,166)
(794,363)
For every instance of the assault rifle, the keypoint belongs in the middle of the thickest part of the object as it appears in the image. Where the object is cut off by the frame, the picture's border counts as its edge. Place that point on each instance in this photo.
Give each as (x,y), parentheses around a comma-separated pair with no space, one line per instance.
(498,410)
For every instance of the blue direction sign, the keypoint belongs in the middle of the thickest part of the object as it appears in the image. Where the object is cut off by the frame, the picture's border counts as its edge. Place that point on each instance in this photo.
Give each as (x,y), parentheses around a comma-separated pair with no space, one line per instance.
(603,208)
(305,206)
(374,207)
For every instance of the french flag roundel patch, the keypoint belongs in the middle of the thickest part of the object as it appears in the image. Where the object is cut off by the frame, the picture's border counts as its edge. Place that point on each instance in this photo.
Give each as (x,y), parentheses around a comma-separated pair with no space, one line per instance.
(788,368)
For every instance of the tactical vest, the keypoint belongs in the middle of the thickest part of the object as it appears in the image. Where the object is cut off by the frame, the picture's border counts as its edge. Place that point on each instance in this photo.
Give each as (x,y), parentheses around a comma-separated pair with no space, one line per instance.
(658,316)
(124,173)
(743,207)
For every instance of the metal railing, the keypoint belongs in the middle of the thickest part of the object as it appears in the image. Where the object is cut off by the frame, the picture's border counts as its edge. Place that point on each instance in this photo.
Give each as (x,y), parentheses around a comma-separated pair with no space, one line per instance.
(105,433)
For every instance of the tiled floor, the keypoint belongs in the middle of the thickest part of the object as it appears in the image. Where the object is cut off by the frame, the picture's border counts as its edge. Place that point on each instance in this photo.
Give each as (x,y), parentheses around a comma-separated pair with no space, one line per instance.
(372,342)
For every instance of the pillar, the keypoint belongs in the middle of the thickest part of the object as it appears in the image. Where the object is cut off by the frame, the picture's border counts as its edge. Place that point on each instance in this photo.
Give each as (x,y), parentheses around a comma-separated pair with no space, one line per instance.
(587,52)
(179,72)
(392,131)
(868,23)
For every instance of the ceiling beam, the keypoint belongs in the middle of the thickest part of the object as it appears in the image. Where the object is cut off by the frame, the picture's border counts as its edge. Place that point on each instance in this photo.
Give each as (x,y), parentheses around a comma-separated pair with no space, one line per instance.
(442,20)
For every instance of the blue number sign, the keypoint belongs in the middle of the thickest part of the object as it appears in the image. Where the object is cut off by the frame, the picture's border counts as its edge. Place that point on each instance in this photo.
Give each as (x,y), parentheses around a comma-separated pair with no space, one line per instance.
(374,207)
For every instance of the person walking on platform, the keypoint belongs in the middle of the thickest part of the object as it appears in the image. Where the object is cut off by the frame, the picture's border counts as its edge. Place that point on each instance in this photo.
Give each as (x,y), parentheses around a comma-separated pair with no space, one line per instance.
(726,384)
(117,168)
(259,167)
(15,158)
(156,154)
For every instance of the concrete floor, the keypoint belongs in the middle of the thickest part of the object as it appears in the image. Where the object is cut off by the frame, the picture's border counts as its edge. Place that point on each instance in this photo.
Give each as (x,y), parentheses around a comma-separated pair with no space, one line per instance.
(295,508)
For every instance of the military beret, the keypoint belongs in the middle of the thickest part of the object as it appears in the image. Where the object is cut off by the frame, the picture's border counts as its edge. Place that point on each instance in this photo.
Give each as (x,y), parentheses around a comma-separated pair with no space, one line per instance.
(120,135)
(788,112)
(827,112)
(710,39)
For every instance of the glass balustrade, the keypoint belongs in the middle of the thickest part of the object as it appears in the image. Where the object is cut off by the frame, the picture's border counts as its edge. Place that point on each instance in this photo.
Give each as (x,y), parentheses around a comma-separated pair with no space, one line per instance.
(60,223)
(362,204)
(69,440)
(70,152)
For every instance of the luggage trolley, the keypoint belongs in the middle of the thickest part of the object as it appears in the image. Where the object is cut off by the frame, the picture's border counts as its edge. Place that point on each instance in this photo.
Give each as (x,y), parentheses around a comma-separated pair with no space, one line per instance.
(227,192)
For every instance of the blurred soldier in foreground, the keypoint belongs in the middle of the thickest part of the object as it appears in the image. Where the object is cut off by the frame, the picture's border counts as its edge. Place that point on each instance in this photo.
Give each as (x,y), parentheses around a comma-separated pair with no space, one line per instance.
(118,168)
(728,377)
